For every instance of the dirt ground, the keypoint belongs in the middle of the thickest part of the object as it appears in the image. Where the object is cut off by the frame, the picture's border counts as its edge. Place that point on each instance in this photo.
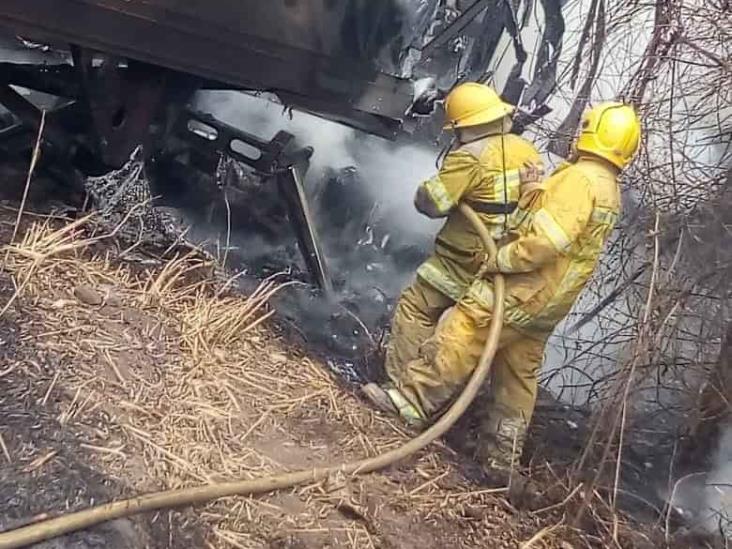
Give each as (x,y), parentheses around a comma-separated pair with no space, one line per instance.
(121,377)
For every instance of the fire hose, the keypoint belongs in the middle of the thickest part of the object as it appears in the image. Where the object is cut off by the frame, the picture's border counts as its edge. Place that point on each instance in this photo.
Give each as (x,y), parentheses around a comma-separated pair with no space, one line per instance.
(79,520)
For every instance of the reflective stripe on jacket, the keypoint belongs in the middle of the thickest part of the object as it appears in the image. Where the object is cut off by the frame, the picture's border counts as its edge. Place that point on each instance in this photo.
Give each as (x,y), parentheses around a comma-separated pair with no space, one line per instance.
(559,242)
(485,175)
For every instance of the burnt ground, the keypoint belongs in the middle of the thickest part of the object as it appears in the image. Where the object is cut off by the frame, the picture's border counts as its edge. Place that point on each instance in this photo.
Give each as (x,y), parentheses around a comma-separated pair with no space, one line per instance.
(121,378)
(47,463)
(103,397)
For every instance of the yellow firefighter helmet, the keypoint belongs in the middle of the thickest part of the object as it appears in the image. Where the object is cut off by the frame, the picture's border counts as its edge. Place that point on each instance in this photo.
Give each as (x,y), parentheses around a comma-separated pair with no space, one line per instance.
(473,104)
(611,131)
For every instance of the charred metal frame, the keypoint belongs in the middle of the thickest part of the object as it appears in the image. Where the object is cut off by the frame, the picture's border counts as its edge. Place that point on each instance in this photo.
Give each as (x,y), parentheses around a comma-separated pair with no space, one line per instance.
(278,160)
(113,106)
(121,104)
(207,41)
(100,115)
(134,64)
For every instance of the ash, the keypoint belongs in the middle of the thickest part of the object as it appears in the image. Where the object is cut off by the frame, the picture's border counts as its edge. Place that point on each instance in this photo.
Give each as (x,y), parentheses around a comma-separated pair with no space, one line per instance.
(241,220)
(373,240)
(370,260)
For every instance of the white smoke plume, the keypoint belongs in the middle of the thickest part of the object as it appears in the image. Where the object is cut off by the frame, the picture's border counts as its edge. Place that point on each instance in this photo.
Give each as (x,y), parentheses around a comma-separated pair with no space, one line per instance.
(704,499)
(376,254)
(391,172)
(717,512)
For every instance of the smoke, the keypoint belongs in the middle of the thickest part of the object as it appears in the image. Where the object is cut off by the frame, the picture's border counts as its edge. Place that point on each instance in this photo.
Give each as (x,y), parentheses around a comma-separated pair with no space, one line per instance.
(704,499)
(361,191)
(717,512)
(389,172)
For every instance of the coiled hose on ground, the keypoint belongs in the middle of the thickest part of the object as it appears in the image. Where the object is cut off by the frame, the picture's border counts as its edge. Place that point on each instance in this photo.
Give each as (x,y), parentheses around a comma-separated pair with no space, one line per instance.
(79,520)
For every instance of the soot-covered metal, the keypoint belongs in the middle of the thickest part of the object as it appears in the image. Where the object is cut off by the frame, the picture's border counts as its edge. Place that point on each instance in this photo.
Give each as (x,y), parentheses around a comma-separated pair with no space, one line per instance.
(121,72)
(241,217)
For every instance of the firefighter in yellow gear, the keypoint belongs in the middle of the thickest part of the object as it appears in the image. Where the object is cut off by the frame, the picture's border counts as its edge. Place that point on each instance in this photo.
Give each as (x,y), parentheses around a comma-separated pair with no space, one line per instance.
(560,232)
(481,169)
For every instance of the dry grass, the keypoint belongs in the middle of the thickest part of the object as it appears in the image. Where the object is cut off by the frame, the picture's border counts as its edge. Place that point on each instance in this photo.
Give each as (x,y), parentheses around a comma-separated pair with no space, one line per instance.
(184,384)
(180,381)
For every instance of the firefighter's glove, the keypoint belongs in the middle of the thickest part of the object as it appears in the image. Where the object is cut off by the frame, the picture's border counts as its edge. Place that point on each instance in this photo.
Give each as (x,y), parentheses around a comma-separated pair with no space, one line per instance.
(531,177)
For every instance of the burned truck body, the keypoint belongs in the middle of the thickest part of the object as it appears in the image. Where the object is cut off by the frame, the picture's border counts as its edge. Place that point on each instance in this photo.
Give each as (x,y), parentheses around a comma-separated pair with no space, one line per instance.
(122,73)
(319,55)
(103,77)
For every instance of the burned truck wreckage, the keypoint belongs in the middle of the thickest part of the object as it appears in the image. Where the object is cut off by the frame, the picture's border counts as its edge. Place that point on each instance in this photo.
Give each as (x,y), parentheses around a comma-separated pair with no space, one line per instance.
(102,78)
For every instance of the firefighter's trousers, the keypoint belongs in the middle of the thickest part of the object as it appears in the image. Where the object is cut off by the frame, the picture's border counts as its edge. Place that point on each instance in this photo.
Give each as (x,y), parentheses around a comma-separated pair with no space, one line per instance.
(431,364)
(415,318)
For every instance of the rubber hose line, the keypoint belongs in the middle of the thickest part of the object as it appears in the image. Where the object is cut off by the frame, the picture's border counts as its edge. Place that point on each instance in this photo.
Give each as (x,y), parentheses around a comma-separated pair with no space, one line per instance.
(79,520)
